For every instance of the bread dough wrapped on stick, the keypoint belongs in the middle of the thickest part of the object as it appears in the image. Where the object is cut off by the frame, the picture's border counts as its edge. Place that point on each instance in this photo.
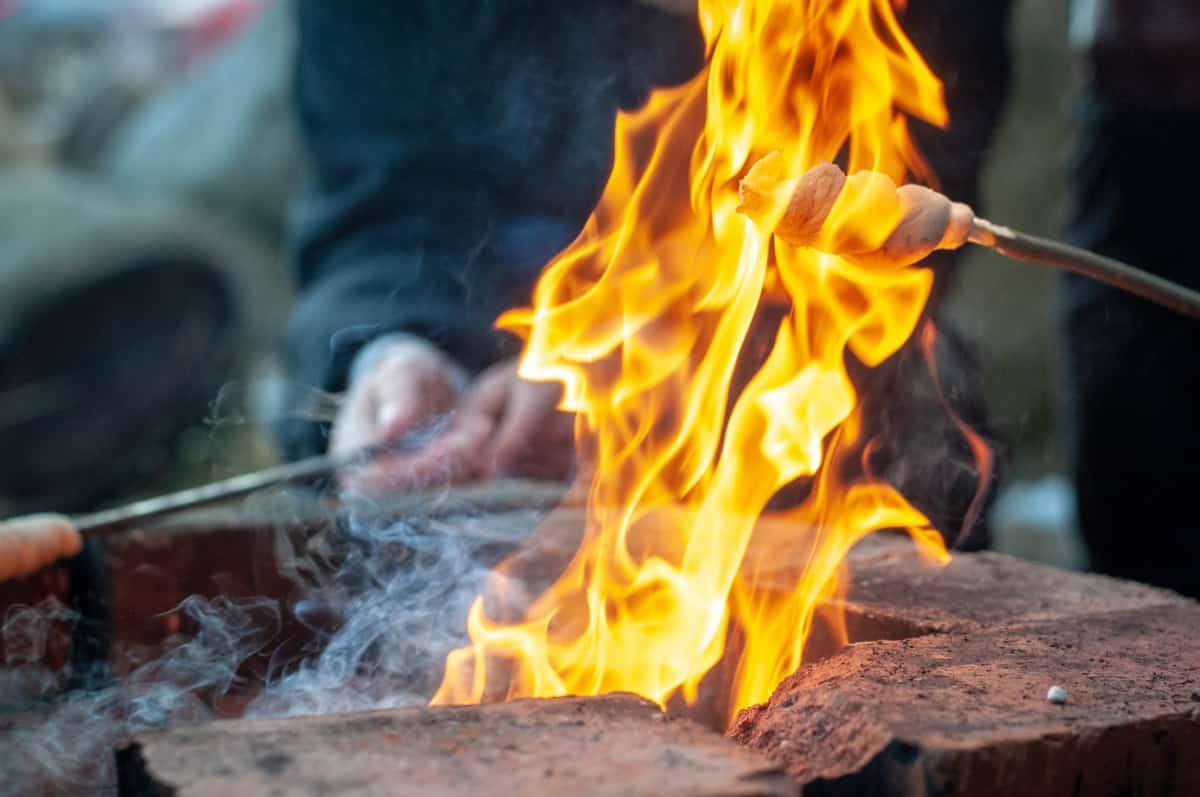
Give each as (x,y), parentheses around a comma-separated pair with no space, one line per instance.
(864,218)
(27,544)
(869,221)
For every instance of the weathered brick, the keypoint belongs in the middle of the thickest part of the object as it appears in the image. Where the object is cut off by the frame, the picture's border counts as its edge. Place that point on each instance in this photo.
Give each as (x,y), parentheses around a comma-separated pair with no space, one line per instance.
(942,692)
(611,745)
(962,708)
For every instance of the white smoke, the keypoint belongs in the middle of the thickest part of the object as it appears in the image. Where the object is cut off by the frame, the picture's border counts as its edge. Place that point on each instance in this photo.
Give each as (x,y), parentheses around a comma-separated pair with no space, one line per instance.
(397,607)
(384,621)
(62,744)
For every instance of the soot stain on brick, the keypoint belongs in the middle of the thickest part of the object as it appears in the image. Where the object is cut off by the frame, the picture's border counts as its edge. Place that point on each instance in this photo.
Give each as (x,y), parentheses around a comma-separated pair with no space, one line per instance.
(366,724)
(274,763)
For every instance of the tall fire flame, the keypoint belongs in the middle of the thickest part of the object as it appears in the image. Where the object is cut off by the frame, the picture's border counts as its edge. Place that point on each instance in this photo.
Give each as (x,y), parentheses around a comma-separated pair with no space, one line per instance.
(648,320)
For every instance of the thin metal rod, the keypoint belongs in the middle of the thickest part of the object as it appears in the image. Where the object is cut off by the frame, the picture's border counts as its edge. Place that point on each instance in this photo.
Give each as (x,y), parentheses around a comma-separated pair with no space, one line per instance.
(1008,242)
(1151,287)
(109,521)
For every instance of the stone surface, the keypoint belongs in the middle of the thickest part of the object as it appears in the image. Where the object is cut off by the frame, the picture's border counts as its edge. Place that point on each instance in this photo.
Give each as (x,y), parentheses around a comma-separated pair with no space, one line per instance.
(942,690)
(960,707)
(616,744)
(981,590)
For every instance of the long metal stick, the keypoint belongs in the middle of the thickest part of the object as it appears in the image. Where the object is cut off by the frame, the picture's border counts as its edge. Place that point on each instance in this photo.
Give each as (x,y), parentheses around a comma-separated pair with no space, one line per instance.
(1006,241)
(1020,246)
(113,520)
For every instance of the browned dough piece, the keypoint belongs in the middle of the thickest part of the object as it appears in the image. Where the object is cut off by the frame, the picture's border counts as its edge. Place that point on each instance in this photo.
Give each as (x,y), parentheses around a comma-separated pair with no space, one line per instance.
(928,220)
(27,544)
(811,197)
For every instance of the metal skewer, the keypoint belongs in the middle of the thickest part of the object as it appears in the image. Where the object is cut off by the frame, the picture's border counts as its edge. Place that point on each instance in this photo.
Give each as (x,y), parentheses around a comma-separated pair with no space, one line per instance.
(983,232)
(1151,287)
(32,541)
(109,521)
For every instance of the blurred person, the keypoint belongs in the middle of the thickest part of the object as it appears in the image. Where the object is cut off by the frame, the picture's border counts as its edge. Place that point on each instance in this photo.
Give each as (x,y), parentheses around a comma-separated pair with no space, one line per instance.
(1130,392)
(455,148)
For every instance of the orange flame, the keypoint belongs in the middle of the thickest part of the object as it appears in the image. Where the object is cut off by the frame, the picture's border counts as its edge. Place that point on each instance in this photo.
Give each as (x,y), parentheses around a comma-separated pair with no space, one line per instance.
(646,318)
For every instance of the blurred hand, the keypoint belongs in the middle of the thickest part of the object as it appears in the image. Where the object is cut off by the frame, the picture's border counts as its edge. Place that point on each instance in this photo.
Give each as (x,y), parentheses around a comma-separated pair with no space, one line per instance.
(530,435)
(412,392)
(403,389)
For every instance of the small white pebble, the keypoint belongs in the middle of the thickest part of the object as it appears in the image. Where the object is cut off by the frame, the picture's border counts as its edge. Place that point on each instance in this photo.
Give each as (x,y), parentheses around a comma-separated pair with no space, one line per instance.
(1056,695)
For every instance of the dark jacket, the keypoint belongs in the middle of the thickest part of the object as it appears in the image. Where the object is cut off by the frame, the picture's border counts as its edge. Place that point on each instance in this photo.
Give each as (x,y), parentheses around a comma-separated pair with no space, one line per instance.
(1145,52)
(457,146)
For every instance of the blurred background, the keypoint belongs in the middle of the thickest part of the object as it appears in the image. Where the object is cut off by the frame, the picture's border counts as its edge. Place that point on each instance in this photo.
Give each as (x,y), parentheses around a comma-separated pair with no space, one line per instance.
(147,158)
(146,162)
(1007,307)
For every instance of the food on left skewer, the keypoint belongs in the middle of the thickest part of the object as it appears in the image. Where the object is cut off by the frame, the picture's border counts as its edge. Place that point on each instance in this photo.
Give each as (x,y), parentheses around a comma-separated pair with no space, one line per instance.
(27,544)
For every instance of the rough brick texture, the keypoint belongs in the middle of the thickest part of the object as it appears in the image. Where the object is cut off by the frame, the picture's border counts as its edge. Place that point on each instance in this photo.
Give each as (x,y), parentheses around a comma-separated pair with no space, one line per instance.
(961,709)
(612,745)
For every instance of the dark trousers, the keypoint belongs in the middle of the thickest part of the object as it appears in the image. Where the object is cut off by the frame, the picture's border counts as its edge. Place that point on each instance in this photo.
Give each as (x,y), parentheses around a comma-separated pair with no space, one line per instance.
(1132,369)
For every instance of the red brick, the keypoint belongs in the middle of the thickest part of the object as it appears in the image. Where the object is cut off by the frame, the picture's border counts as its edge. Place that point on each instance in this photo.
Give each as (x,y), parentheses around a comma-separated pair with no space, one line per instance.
(962,709)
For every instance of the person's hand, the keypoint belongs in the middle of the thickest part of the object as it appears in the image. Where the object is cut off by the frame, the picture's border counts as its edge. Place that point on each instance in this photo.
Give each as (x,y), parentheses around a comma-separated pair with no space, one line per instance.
(451,431)
(529,435)
(403,390)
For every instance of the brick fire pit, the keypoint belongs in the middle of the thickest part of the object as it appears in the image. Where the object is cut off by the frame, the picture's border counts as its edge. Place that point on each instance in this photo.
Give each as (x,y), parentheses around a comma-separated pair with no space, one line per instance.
(942,691)
(961,706)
